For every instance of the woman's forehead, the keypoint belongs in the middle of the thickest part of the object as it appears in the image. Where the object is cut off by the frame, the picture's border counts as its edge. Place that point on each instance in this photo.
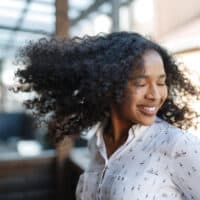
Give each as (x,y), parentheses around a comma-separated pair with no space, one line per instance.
(151,64)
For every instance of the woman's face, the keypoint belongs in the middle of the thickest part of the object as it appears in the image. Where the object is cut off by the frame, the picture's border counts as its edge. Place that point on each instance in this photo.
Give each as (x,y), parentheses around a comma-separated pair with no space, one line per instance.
(145,93)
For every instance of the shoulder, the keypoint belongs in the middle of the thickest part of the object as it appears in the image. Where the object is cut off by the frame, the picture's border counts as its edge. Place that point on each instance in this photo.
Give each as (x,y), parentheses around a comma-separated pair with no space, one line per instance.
(165,132)
(171,139)
(187,145)
(182,148)
(175,135)
(185,162)
(182,139)
(182,144)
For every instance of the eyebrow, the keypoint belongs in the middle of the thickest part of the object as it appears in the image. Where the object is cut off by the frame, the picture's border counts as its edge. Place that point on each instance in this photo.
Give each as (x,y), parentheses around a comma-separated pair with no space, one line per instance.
(141,76)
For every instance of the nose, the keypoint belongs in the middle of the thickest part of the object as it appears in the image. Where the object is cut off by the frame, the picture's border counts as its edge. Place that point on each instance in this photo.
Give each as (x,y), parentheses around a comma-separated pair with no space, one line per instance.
(153,92)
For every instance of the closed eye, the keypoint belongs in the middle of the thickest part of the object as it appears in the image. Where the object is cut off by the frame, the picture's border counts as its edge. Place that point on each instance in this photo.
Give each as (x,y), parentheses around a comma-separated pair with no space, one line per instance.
(140,84)
(161,84)
(162,81)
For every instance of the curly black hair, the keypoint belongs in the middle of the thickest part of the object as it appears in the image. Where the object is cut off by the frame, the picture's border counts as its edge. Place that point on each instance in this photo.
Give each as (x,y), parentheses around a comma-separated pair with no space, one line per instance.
(78,79)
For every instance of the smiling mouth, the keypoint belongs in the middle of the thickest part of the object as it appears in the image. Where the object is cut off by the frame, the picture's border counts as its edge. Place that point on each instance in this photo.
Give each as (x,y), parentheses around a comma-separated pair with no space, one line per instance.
(148,110)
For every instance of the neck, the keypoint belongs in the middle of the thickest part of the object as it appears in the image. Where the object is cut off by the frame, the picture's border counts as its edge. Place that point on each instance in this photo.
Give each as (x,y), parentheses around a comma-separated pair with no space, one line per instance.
(116,132)
(118,128)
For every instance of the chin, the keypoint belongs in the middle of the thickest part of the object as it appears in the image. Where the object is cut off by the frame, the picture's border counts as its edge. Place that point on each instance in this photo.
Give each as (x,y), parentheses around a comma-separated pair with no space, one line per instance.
(148,121)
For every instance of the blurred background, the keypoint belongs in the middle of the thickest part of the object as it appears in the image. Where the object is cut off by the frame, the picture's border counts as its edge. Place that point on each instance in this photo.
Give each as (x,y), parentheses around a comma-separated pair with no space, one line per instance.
(173,23)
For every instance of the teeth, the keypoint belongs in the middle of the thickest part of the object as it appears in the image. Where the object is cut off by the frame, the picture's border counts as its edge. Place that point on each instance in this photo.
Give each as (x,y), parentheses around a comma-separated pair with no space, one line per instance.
(151,109)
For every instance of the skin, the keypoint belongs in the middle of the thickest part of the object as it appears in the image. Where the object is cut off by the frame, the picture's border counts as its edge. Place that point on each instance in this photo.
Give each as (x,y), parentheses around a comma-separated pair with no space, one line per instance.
(144,95)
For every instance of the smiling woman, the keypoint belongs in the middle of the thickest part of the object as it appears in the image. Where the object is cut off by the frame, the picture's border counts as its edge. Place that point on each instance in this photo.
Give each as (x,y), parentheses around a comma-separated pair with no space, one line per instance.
(133,88)
(146,91)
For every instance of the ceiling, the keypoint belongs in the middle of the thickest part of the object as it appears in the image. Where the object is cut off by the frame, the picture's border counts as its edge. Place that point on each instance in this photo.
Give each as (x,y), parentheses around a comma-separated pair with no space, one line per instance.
(22,20)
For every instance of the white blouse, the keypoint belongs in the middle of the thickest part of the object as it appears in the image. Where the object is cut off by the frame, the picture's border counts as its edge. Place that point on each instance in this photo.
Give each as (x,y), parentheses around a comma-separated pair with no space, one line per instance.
(157,162)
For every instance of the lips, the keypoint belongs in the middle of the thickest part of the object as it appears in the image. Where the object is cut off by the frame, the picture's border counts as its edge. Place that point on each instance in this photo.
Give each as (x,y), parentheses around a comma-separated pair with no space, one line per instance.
(148,110)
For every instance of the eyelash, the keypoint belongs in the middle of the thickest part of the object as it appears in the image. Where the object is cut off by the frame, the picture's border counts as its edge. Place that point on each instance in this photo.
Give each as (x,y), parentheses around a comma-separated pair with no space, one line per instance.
(143,85)
(140,85)
(161,84)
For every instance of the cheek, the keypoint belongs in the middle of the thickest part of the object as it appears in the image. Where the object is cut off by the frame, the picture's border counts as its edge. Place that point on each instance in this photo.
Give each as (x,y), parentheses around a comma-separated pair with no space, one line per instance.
(132,97)
(130,102)
(135,92)
(164,93)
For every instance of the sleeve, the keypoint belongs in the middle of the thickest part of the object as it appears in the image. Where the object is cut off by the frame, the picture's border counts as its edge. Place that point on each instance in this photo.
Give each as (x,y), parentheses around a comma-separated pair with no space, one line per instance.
(185,165)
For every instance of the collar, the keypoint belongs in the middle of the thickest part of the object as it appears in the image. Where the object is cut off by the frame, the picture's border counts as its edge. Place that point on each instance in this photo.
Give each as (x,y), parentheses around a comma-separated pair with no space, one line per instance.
(136,132)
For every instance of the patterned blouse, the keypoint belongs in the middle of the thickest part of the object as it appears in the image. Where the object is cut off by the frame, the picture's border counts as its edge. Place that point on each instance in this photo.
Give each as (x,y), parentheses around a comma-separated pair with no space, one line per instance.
(157,162)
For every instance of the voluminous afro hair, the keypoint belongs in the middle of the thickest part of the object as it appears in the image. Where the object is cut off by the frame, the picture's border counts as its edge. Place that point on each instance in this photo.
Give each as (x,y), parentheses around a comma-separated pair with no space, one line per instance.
(78,79)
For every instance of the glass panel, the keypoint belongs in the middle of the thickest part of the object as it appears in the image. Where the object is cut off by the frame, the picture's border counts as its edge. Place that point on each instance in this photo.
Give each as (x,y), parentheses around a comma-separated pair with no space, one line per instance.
(39,21)
(40,17)
(106,8)
(44,8)
(73,13)
(45,1)
(5,35)
(80,4)
(17,4)
(6,13)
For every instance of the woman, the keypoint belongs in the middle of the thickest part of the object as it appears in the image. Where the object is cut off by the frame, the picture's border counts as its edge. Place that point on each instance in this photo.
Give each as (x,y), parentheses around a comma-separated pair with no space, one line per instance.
(132,89)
